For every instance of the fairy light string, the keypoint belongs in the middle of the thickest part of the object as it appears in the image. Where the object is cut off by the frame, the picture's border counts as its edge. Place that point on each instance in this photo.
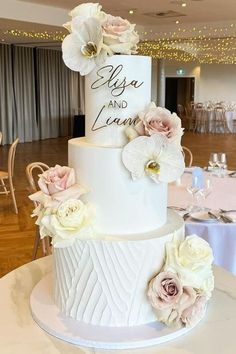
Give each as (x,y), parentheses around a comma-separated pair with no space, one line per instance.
(205,44)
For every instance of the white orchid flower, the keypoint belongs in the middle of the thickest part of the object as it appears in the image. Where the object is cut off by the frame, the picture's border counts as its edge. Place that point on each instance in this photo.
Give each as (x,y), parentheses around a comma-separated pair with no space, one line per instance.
(154,156)
(83,48)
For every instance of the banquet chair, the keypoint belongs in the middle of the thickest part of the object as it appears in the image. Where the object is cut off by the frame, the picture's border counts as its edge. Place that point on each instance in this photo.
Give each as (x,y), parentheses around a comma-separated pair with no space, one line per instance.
(180,110)
(7,176)
(233,126)
(198,105)
(202,121)
(32,171)
(187,156)
(190,117)
(219,121)
(182,114)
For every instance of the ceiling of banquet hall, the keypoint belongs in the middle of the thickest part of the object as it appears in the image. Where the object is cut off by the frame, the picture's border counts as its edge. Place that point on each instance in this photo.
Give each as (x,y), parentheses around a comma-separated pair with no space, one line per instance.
(203,30)
(146,12)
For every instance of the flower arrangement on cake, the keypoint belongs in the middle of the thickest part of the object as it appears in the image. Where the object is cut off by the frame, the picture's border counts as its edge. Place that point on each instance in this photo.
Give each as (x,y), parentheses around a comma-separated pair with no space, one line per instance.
(155,146)
(179,293)
(95,35)
(154,149)
(60,212)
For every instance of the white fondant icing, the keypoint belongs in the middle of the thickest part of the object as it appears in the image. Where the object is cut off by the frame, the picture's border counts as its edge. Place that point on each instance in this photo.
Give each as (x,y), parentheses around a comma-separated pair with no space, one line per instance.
(122,206)
(115,92)
(104,282)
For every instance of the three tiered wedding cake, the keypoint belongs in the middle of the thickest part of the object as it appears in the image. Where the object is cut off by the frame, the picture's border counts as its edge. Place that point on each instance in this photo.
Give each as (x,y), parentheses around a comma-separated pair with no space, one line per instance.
(120,258)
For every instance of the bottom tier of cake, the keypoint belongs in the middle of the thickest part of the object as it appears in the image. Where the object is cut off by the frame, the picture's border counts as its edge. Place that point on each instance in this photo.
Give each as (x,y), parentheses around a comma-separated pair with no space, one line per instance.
(104,281)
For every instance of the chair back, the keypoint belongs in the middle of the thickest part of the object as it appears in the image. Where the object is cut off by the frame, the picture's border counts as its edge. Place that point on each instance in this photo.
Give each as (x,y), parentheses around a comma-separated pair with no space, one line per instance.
(32,170)
(187,153)
(180,110)
(11,158)
(199,105)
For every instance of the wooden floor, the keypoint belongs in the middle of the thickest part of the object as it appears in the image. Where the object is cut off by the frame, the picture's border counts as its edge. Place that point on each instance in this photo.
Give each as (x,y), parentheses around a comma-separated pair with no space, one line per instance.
(17,231)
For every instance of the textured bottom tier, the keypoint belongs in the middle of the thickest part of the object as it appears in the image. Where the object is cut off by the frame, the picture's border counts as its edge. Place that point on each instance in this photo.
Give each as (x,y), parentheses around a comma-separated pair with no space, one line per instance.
(104,281)
(48,317)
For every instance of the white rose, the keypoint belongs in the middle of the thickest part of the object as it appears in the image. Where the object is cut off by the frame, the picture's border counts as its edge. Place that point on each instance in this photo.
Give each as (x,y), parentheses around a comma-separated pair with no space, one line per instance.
(86,10)
(119,35)
(191,260)
(72,220)
(72,214)
(195,253)
(207,285)
(83,12)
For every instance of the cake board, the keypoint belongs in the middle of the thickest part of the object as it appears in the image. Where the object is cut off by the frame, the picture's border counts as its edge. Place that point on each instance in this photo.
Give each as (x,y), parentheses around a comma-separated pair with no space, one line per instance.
(48,316)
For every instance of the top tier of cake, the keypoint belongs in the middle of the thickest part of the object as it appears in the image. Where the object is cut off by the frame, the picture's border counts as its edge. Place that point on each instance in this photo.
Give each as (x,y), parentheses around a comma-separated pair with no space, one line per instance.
(114,94)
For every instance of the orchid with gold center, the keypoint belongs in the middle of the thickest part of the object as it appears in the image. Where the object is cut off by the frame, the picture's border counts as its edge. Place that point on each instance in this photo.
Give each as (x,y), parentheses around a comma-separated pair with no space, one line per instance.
(155,157)
(83,48)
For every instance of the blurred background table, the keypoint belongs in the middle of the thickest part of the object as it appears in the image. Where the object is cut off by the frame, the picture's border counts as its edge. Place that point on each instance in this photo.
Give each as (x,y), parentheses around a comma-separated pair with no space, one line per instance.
(221,236)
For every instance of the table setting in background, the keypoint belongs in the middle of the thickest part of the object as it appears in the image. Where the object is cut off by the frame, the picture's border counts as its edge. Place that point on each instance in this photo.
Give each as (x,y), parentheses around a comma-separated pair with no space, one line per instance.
(212,111)
(205,198)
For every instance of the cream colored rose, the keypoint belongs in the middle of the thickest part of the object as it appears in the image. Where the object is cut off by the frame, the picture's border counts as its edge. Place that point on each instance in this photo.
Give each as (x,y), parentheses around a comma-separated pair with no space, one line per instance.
(207,285)
(72,214)
(191,260)
(83,12)
(119,35)
(164,290)
(71,221)
(86,10)
(194,253)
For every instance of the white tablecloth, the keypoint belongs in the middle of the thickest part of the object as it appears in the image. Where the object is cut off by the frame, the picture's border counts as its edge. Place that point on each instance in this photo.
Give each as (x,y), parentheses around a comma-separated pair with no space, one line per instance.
(230,117)
(222,237)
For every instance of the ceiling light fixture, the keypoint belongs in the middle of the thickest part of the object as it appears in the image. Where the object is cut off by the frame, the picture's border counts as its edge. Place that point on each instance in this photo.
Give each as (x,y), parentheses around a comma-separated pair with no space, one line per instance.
(177,21)
(131,11)
(183,4)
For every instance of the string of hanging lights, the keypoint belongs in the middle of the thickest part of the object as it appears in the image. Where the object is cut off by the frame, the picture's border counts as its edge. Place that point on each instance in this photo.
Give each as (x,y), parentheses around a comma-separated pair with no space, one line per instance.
(205,44)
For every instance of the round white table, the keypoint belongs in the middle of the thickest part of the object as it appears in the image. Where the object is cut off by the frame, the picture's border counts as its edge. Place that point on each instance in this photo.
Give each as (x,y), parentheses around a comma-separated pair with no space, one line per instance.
(20,334)
(221,237)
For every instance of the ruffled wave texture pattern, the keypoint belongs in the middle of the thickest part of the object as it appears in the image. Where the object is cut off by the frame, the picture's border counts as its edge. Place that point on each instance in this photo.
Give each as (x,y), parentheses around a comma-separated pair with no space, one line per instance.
(105,283)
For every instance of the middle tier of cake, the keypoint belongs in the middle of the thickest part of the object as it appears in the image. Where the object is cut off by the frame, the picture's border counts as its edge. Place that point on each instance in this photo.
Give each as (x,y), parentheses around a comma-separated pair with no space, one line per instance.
(121,206)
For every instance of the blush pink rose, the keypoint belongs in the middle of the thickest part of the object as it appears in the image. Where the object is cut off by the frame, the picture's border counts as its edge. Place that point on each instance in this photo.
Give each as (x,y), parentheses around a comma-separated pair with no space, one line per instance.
(119,35)
(56,179)
(192,314)
(115,25)
(159,120)
(171,316)
(164,290)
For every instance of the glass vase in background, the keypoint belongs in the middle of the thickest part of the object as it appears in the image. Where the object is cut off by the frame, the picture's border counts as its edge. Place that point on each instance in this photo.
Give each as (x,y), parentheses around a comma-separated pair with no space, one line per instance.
(222,164)
(206,190)
(213,163)
(194,189)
